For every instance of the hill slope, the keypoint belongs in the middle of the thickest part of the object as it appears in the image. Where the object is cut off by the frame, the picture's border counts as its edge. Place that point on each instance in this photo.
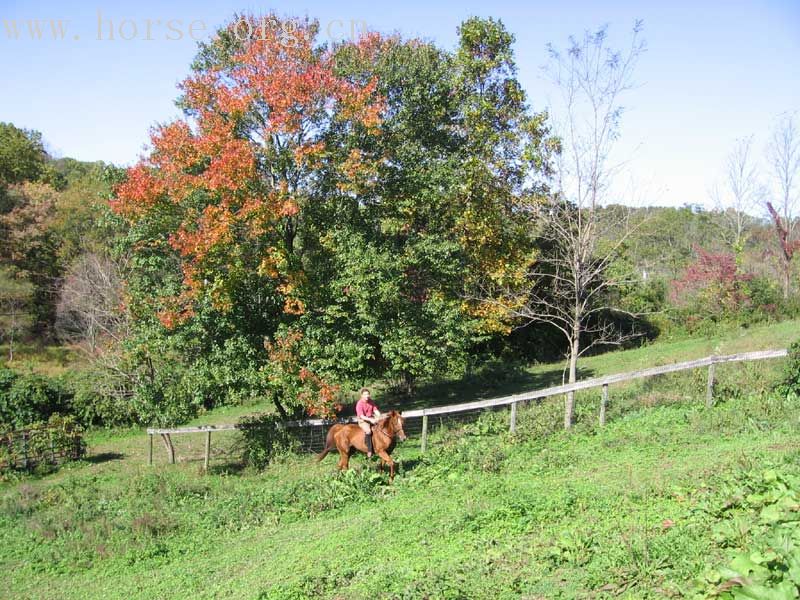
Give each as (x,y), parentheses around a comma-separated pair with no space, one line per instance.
(661,496)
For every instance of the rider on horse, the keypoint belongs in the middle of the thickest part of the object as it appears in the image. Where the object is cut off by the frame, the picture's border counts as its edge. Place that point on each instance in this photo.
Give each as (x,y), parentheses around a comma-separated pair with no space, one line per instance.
(367,414)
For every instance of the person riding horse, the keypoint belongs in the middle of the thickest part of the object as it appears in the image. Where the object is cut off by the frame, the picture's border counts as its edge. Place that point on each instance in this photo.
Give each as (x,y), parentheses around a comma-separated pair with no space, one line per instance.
(367,414)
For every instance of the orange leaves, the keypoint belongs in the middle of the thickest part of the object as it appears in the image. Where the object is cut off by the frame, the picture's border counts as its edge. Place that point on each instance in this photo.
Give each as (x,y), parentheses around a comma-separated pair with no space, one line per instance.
(212,228)
(138,193)
(176,311)
(234,164)
(319,397)
(173,147)
(362,104)
(232,176)
(308,153)
(286,373)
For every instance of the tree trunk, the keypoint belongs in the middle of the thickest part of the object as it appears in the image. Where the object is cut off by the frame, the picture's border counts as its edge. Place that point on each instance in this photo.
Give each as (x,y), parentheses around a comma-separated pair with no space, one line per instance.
(787,278)
(569,402)
(11,336)
(279,406)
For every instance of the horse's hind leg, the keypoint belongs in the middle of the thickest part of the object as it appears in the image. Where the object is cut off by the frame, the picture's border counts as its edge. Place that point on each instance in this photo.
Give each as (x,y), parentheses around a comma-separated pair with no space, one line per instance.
(344,459)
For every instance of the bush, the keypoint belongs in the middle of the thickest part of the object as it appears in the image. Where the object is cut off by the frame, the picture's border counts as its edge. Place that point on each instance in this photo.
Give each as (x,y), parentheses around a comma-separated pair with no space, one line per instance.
(28,398)
(791,376)
(91,406)
(264,438)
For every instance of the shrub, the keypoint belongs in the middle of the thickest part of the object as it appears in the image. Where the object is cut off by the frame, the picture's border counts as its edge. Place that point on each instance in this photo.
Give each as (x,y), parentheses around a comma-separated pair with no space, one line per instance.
(91,405)
(28,398)
(712,286)
(791,377)
(264,438)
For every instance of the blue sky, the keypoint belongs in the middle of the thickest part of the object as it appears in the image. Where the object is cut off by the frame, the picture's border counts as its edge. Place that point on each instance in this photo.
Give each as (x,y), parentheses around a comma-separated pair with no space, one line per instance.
(714,71)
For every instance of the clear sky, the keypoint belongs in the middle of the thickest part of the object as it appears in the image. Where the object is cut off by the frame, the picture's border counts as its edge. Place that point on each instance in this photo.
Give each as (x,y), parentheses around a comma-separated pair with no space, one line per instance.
(714,71)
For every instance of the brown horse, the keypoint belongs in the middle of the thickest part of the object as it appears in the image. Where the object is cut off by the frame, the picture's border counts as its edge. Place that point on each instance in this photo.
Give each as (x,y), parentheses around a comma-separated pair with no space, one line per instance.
(349,437)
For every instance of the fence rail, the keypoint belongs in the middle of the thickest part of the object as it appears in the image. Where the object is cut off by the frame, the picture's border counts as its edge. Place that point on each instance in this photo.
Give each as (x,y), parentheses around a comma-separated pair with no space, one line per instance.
(512,400)
(25,449)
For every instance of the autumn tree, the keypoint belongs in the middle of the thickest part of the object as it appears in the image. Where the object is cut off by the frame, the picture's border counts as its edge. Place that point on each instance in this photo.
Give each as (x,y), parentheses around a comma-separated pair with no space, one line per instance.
(332,202)
(29,244)
(217,205)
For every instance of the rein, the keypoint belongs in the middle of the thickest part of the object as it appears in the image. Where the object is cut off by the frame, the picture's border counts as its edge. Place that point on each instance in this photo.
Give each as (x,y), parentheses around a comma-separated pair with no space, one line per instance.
(380,427)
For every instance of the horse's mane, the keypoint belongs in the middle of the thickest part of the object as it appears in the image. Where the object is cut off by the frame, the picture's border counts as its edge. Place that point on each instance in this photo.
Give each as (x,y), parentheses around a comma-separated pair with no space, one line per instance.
(387,418)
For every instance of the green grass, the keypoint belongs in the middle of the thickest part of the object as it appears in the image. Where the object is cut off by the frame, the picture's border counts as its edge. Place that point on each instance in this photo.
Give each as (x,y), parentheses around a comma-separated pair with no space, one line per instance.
(42,359)
(631,510)
(502,379)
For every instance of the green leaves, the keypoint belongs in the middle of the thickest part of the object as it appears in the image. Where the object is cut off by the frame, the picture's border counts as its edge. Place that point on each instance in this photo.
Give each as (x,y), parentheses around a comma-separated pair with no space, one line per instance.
(791,378)
(769,566)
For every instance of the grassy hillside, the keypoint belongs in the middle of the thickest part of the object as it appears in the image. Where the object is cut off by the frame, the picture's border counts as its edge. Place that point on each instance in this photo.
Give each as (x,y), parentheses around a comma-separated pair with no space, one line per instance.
(665,501)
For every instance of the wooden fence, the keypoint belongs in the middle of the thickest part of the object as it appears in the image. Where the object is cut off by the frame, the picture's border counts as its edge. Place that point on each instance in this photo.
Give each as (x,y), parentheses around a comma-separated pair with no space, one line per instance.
(513,400)
(25,449)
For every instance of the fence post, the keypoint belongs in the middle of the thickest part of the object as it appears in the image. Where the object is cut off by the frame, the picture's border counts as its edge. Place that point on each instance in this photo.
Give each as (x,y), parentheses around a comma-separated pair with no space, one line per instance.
(603,404)
(424,433)
(208,450)
(150,451)
(710,385)
(24,450)
(513,426)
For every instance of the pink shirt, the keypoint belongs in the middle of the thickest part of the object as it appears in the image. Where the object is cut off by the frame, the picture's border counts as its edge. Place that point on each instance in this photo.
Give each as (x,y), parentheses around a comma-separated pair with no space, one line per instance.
(365,408)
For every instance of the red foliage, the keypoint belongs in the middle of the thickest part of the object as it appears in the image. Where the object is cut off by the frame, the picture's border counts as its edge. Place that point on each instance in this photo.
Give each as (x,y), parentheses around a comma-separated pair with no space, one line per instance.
(316,395)
(713,281)
(788,247)
(278,86)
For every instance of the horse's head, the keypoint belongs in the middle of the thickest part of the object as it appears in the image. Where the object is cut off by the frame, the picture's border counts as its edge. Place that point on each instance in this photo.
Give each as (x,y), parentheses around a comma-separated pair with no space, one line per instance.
(397,421)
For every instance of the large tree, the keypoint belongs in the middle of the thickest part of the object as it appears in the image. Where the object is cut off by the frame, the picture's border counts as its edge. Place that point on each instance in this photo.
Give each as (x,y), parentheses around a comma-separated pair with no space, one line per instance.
(336,201)
(220,200)
(29,244)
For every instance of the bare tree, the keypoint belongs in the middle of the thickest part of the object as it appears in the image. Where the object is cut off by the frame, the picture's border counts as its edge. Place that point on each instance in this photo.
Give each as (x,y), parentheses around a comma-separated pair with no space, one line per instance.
(90,307)
(740,194)
(579,240)
(783,156)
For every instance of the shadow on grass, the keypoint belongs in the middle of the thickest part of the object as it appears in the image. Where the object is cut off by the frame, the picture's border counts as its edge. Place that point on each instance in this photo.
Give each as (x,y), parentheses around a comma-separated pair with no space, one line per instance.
(229,467)
(490,383)
(407,465)
(103,457)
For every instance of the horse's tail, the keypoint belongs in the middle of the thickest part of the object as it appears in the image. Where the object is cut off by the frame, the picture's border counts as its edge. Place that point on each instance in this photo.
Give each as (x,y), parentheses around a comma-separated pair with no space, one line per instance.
(329,443)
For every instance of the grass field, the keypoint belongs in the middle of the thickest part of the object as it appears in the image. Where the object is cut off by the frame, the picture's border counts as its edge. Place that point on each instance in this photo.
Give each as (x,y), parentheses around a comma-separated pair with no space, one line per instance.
(670,499)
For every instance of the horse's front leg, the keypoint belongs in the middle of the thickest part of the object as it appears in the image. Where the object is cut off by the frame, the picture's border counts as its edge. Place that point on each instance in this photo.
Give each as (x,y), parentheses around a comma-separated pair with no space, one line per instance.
(385,458)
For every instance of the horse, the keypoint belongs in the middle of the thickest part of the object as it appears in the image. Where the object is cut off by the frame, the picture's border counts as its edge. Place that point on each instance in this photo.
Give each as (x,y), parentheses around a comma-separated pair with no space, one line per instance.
(347,437)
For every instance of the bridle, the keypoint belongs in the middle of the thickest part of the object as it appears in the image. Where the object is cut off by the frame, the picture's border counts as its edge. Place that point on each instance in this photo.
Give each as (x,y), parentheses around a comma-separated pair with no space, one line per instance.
(399,431)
